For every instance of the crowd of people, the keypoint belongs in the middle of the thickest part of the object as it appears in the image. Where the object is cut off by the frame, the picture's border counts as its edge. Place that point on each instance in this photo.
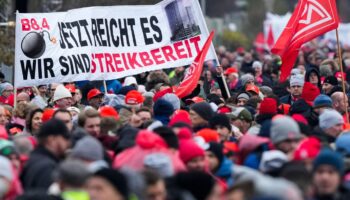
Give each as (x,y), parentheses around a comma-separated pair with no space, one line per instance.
(240,135)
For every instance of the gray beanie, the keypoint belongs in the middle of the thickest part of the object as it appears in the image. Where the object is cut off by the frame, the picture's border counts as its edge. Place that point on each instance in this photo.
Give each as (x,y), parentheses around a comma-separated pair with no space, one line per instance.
(284,128)
(297,80)
(173,99)
(246,77)
(72,172)
(4,86)
(330,118)
(88,148)
(160,163)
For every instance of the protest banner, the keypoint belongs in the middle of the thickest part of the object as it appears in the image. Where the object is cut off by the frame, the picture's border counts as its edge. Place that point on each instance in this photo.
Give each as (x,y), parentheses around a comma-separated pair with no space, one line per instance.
(104,43)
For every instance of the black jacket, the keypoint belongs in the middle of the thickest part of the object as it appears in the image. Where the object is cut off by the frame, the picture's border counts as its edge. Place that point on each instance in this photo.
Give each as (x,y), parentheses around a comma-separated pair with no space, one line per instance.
(37,172)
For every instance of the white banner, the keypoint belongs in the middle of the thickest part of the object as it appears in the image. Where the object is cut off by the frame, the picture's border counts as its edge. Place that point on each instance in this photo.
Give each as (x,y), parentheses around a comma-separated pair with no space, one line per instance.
(103,43)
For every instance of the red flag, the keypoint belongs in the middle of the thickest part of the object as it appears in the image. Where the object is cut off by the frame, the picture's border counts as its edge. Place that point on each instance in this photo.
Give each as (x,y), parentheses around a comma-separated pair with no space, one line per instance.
(270,39)
(310,19)
(193,73)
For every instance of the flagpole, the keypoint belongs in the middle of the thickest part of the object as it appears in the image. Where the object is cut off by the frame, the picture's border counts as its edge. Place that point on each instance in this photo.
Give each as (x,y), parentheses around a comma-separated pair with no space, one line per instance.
(342,75)
(225,84)
(105,86)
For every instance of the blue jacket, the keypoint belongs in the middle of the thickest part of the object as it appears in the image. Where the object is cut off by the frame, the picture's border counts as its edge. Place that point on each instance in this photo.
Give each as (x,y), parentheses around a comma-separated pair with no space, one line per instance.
(225,171)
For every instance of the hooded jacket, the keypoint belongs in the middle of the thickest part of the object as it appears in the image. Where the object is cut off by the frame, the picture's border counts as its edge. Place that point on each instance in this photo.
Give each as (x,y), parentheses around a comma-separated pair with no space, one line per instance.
(308,73)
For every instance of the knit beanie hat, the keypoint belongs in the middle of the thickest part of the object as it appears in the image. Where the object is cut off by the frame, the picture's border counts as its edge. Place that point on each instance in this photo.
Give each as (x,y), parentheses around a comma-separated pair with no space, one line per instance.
(257,64)
(329,118)
(218,150)
(180,116)
(168,136)
(198,183)
(284,128)
(342,144)
(243,95)
(61,92)
(188,148)
(116,179)
(173,99)
(88,148)
(203,109)
(268,106)
(53,127)
(331,80)
(296,80)
(310,92)
(4,86)
(329,157)
(307,148)
(322,101)
(160,163)
(246,78)
(220,120)
(162,108)
(209,135)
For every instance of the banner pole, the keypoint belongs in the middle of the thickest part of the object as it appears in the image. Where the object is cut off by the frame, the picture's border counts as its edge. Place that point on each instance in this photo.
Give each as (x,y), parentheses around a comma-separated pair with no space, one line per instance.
(342,76)
(105,85)
(225,84)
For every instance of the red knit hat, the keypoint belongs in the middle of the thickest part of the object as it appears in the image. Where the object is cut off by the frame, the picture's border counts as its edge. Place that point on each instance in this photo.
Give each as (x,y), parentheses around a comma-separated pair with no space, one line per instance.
(108,111)
(188,149)
(134,97)
(268,106)
(209,135)
(310,92)
(180,116)
(47,114)
(307,149)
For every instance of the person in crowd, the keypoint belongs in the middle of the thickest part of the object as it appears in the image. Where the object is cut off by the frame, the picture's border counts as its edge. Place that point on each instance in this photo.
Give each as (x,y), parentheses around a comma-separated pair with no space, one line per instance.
(71,177)
(321,103)
(62,98)
(331,123)
(328,169)
(285,134)
(200,115)
(95,98)
(33,122)
(155,186)
(340,102)
(330,85)
(241,118)
(90,121)
(108,184)
(53,138)
(6,89)
(41,99)
(296,84)
(65,116)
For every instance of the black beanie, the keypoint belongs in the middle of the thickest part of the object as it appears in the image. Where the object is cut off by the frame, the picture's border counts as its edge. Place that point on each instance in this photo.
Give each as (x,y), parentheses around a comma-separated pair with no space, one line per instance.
(53,127)
(218,150)
(220,120)
(199,184)
(116,179)
(203,109)
(168,135)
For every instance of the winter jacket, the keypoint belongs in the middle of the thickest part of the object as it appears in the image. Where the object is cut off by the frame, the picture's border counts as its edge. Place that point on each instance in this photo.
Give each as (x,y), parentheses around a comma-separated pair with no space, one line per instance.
(37,173)
(225,172)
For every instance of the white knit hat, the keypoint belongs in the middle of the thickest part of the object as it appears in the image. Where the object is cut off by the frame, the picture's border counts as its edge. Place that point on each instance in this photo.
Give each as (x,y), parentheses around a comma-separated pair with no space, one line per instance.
(61,92)
(297,80)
